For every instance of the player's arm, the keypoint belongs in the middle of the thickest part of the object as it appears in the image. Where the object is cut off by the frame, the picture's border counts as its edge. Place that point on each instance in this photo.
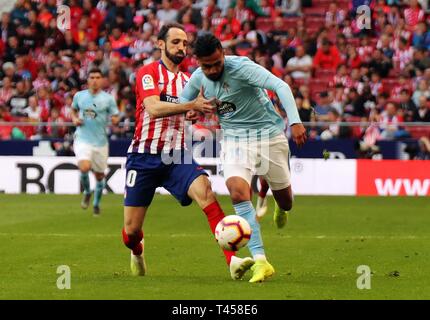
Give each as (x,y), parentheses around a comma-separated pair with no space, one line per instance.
(75,111)
(158,109)
(257,76)
(191,92)
(113,111)
(148,89)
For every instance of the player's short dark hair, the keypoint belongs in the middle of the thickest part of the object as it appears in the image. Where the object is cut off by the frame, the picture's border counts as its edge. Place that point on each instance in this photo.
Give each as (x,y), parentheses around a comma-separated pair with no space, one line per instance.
(206,45)
(95,70)
(162,34)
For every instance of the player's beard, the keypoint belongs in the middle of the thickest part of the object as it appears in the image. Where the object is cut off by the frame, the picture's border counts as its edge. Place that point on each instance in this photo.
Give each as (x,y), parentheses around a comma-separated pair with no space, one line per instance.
(175,58)
(216,76)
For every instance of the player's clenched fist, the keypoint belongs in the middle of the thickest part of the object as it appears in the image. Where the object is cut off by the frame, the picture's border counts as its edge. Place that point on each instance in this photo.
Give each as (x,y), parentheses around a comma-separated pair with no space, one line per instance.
(193,115)
(298,133)
(76,121)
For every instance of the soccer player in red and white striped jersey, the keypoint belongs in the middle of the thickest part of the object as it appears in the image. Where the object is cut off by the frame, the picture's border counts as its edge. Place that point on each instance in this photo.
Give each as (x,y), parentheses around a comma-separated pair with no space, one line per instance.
(159,134)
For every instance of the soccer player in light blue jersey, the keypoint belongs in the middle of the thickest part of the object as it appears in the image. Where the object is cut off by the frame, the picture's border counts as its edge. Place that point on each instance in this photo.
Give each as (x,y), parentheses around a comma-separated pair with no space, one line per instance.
(254,140)
(91,112)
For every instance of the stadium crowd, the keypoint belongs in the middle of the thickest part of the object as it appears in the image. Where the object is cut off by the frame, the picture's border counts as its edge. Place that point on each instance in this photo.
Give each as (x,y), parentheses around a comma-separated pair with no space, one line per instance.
(338,70)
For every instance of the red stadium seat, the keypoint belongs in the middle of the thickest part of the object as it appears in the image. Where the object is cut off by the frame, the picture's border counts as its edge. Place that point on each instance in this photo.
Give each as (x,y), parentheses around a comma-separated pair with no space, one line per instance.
(419,132)
(314,11)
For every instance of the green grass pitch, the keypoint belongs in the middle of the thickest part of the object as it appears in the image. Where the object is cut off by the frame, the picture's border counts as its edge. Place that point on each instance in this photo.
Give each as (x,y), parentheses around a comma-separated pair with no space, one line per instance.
(315,257)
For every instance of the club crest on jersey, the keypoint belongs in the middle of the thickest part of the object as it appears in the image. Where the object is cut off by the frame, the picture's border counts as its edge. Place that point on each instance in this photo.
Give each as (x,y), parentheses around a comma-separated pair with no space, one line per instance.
(90,113)
(226,87)
(147,82)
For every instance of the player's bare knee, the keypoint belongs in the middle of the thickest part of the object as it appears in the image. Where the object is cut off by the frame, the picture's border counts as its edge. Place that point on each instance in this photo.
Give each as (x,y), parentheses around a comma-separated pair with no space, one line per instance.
(238,196)
(99,176)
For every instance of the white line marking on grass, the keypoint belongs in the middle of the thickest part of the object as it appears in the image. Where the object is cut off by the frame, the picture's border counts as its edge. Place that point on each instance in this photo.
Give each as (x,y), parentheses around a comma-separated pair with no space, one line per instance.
(185,235)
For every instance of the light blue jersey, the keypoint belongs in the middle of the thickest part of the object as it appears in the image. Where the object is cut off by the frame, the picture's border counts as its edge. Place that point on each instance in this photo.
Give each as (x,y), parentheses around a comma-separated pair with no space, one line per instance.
(243,105)
(95,111)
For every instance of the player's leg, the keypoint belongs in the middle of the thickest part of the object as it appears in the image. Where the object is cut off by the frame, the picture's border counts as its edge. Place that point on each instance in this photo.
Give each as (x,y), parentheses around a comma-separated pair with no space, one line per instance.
(261,207)
(132,235)
(239,193)
(279,179)
(200,191)
(141,181)
(99,165)
(98,191)
(83,155)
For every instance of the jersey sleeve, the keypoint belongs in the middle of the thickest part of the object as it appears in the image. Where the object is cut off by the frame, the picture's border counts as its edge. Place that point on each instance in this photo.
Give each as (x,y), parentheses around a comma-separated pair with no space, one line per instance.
(113,107)
(192,88)
(147,81)
(257,76)
(75,104)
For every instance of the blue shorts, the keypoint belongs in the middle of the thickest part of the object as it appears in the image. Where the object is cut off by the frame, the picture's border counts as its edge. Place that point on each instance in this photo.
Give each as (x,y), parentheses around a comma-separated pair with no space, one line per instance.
(145,172)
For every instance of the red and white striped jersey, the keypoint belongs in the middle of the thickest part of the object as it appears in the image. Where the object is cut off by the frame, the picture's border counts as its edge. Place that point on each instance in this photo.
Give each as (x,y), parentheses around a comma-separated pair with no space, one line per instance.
(163,134)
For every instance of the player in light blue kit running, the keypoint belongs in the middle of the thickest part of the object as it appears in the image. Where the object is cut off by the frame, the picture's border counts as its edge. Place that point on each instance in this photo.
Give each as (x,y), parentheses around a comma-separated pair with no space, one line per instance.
(254,140)
(91,110)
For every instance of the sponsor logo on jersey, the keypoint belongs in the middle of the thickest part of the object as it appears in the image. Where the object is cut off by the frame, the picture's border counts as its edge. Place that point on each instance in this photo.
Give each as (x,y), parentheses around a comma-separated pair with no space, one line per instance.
(225,107)
(169,98)
(147,82)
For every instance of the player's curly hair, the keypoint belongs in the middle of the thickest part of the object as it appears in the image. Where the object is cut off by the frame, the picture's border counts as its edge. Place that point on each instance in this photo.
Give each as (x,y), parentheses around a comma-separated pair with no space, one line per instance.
(206,45)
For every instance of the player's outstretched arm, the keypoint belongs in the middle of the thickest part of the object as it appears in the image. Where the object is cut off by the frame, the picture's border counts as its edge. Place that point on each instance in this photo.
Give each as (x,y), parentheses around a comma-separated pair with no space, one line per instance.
(157,108)
(258,76)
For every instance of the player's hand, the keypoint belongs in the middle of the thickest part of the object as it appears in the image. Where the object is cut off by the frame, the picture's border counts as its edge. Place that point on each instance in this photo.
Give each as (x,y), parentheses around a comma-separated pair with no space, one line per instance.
(204,105)
(298,133)
(193,115)
(76,121)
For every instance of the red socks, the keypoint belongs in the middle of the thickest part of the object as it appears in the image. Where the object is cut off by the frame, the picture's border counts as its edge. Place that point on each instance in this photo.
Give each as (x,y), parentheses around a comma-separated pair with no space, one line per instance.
(214,215)
(264,188)
(133,242)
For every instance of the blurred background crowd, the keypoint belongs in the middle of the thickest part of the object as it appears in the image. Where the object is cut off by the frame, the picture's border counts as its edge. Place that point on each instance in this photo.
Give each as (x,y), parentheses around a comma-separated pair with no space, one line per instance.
(339,70)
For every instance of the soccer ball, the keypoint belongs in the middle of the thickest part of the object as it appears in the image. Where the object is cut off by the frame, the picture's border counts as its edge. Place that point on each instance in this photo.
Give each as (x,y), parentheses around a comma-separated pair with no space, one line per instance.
(233,232)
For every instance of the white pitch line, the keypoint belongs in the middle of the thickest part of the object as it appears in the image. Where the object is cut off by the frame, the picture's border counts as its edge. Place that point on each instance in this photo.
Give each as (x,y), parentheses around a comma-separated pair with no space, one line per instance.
(184,235)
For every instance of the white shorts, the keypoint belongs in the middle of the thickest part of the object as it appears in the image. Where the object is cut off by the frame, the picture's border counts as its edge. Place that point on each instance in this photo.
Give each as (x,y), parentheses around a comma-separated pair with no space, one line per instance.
(98,156)
(268,158)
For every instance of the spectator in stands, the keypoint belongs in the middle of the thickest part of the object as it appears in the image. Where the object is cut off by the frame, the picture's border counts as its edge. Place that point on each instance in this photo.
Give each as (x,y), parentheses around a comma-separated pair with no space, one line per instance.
(324,106)
(422,113)
(403,54)
(120,41)
(389,122)
(33,111)
(288,8)
(127,120)
(167,14)
(7,28)
(380,63)
(308,102)
(6,91)
(386,44)
(353,59)
(376,86)
(327,57)
(56,128)
(334,16)
(422,90)
(19,101)
(414,14)
(119,14)
(424,149)
(300,66)
(306,113)
(334,130)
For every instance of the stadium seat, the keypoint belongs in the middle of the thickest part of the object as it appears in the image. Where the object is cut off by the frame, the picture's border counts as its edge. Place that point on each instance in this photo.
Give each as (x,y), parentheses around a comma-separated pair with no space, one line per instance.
(314,11)
(419,132)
